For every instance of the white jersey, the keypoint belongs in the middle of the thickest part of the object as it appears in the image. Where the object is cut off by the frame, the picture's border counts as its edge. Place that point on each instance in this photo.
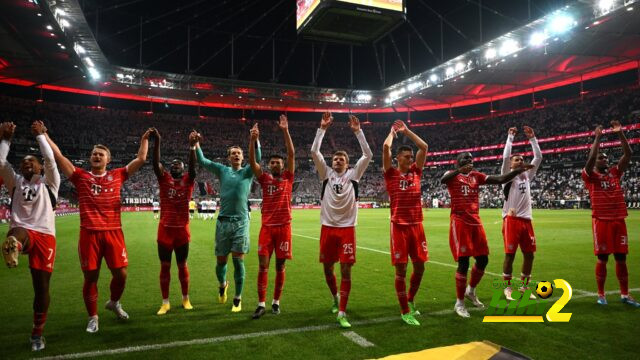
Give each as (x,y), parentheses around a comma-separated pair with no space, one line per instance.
(156,205)
(339,198)
(518,191)
(32,201)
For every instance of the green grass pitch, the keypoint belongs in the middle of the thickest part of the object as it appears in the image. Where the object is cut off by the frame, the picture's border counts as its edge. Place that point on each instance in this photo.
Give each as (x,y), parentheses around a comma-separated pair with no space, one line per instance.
(565,251)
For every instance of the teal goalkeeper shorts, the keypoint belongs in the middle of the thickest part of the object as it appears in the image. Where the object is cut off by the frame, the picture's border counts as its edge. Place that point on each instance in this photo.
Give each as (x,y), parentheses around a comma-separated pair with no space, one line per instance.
(232,235)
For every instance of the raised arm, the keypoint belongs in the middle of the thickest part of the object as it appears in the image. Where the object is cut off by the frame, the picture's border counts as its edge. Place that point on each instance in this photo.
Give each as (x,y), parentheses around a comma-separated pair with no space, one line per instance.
(211,166)
(423,148)
(158,169)
(593,153)
(192,157)
(367,154)
(318,159)
(386,150)
(6,170)
(51,174)
(505,178)
(447,176)
(623,163)
(537,153)
(137,163)
(255,166)
(283,124)
(506,154)
(64,164)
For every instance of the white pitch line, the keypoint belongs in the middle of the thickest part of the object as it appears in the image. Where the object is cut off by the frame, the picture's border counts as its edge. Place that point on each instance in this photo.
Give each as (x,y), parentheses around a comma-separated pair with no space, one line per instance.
(220,339)
(214,340)
(353,336)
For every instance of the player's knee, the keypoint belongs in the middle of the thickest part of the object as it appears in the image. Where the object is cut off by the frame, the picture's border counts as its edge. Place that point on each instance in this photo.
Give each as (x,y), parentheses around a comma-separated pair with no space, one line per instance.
(401,269)
(280,264)
(482,261)
(620,257)
(345,271)
(603,258)
(91,275)
(528,256)
(418,267)
(463,264)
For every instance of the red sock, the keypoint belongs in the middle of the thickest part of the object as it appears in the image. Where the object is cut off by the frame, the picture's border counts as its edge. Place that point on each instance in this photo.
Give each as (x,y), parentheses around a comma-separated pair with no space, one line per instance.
(461,285)
(90,295)
(601,275)
(476,276)
(38,323)
(525,279)
(117,288)
(401,291)
(277,290)
(507,278)
(165,278)
(183,275)
(345,289)
(263,278)
(623,277)
(331,282)
(415,281)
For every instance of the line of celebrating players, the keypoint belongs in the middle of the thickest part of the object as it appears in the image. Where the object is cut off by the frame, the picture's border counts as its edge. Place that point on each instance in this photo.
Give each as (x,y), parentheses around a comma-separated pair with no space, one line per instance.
(35,190)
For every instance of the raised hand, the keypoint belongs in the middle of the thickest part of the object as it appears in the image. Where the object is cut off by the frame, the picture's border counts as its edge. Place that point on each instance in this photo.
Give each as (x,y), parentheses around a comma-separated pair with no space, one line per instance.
(7,129)
(326,121)
(146,134)
(255,132)
(38,128)
(354,123)
(283,122)
(154,133)
(598,131)
(399,126)
(513,131)
(529,132)
(616,127)
(194,138)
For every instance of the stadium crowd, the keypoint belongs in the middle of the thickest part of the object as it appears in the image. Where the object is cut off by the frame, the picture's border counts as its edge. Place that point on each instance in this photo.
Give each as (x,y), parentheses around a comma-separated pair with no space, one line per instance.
(558,184)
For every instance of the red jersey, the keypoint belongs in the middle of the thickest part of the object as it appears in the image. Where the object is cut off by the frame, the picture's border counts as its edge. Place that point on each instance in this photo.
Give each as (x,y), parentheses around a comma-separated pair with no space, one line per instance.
(276,198)
(405,195)
(464,190)
(174,199)
(607,197)
(99,198)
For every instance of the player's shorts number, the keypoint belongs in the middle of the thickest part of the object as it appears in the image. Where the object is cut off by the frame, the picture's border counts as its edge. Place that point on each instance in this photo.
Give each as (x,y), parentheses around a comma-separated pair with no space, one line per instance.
(50,254)
(424,246)
(347,248)
(284,246)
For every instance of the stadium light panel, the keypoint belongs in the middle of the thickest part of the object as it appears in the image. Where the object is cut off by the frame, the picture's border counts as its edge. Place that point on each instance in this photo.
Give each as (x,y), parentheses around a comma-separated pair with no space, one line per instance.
(605,6)
(95,74)
(60,12)
(490,53)
(561,23)
(414,85)
(508,47)
(64,23)
(49,27)
(459,67)
(449,72)
(433,77)
(89,61)
(79,49)
(538,39)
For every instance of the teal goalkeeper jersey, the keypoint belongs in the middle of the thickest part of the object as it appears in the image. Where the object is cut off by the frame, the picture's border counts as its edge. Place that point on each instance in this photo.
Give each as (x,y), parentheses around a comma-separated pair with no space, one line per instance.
(235,185)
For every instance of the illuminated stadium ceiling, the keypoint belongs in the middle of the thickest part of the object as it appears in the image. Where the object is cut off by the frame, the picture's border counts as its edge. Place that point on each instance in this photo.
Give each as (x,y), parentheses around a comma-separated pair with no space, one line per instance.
(566,44)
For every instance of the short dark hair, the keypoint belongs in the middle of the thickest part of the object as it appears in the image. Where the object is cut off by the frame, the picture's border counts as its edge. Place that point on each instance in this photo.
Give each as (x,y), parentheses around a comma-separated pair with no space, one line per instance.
(276,156)
(233,147)
(341,153)
(403,148)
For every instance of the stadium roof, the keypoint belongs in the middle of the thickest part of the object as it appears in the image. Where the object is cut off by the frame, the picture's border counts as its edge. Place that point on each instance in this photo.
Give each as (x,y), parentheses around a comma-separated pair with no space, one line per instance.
(580,41)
